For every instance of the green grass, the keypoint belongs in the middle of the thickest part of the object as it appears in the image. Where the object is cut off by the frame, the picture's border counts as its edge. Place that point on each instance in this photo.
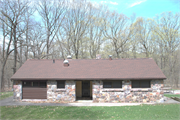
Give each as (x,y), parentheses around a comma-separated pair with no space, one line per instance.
(4,95)
(172,95)
(152,112)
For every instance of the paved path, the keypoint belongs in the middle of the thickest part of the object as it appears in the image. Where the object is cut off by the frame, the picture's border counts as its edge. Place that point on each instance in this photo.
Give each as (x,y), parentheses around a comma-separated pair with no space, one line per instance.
(169,100)
(9,102)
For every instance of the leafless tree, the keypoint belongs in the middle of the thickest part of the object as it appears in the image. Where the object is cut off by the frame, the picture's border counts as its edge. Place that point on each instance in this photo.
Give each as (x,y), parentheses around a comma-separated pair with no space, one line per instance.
(118,30)
(143,34)
(166,28)
(95,31)
(77,22)
(52,14)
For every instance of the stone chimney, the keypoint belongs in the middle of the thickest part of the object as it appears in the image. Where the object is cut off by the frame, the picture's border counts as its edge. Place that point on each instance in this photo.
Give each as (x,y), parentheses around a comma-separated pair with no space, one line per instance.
(66,63)
(110,57)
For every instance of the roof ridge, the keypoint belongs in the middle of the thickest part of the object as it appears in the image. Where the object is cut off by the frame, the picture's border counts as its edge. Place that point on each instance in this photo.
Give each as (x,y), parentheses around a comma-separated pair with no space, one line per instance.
(89,59)
(43,59)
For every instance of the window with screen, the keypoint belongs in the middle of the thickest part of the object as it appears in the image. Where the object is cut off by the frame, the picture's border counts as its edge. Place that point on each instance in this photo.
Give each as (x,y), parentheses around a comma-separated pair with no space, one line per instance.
(27,84)
(60,84)
(107,84)
(141,84)
(112,84)
(35,84)
(41,84)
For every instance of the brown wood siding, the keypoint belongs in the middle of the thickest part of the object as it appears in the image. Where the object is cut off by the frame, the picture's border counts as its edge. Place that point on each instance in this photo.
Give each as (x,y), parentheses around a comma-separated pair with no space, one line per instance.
(34,93)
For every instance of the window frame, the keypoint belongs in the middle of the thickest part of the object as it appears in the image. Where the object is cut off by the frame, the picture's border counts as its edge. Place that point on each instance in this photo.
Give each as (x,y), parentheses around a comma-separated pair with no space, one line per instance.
(25,85)
(112,84)
(63,85)
(32,84)
(140,82)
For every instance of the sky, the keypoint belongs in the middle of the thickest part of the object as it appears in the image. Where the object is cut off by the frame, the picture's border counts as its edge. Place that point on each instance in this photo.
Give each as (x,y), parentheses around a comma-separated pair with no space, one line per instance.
(142,8)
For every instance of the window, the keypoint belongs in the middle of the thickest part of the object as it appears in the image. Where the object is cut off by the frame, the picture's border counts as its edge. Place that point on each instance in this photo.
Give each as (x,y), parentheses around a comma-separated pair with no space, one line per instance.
(35,84)
(27,84)
(141,84)
(60,84)
(112,84)
(107,85)
(41,84)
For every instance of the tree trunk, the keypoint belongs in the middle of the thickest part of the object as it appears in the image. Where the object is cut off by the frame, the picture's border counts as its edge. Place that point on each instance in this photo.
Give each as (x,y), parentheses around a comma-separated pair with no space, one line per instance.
(2,73)
(21,53)
(15,49)
(47,52)
(2,77)
(117,53)
(76,54)
(26,53)
(4,37)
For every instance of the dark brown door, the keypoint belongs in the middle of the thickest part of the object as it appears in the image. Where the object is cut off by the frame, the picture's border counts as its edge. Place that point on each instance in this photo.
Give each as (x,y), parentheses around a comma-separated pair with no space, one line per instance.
(34,93)
(85,88)
(34,90)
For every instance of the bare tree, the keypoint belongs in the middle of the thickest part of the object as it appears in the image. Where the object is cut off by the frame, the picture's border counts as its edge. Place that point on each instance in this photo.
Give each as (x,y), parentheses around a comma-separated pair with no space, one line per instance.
(77,22)
(11,15)
(29,25)
(37,42)
(95,31)
(118,30)
(5,56)
(52,13)
(166,28)
(143,34)
(16,10)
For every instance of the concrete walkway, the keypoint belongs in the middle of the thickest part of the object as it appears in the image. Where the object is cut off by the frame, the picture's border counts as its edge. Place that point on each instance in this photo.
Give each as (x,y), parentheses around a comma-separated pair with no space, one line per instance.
(169,100)
(9,102)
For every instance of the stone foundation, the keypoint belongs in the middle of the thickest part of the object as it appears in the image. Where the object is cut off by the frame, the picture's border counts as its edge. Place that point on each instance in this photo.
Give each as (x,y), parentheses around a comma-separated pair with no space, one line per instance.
(17,87)
(62,95)
(128,94)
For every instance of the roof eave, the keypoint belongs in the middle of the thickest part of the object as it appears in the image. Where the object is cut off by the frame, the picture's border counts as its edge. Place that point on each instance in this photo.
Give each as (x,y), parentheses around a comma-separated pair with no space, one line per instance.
(88,78)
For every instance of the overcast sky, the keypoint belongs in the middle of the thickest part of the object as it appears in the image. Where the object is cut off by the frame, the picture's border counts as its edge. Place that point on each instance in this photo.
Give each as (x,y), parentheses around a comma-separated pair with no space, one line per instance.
(143,8)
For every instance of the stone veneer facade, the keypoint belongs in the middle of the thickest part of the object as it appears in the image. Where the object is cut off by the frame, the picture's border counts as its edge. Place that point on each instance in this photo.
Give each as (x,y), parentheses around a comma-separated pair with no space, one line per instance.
(62,95)
(17,86)
(99,94)
(128,94)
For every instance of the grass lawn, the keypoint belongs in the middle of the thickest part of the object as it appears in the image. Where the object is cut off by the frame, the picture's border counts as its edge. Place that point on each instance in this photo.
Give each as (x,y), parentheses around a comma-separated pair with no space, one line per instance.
(4,95)
(152,112)
(172,95)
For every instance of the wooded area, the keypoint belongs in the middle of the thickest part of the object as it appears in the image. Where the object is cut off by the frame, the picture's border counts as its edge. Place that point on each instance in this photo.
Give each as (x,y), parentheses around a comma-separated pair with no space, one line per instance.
(53,29)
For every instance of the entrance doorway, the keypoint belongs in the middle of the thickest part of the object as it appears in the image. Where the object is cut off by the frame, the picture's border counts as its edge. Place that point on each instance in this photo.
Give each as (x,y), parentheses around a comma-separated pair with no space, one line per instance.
(83,90)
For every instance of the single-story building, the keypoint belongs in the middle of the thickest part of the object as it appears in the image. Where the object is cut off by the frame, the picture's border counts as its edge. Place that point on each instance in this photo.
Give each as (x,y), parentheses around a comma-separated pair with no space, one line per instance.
(99,80)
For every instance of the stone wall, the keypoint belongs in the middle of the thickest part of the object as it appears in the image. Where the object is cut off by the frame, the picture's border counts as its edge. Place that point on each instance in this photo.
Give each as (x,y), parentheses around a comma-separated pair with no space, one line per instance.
(128,94)
(67,94)
(99,94)
(17,87)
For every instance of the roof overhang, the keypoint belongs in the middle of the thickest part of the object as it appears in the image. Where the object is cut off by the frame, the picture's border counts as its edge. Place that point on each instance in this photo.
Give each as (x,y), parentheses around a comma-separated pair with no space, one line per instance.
(88,79)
